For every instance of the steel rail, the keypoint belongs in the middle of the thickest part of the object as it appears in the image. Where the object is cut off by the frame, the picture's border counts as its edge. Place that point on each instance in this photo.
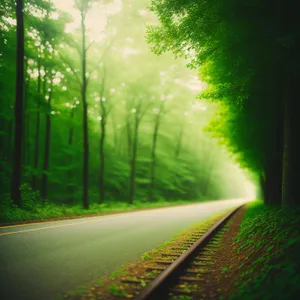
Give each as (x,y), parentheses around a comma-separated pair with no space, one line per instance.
(158,288)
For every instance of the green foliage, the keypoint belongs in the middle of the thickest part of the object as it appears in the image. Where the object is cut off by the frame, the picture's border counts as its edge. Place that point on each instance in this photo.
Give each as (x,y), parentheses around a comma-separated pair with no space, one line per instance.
(146,256)
(41,210)
(221,39)
(274,233)
(115,273)
(143,283)
(117,291)
(226,269)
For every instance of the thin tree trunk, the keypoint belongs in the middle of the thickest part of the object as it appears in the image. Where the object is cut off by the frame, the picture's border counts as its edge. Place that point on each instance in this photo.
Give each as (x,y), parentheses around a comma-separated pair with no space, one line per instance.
(153,158)
(37,130)
(102,159)
(274,175)
(71,130)
(85,200)
(129,138)
(115,133)
(27,125)
(70,188)
(207,181)
(17,162)
(133,163)
(9,141)
(44,187)
(291,159)
(26,88)
(103,113)
(262,183)
(286,157)
(178,147)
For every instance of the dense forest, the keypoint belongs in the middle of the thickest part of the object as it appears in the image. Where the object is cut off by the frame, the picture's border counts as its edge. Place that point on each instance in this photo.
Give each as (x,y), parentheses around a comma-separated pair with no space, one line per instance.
(247,53)
(89,115)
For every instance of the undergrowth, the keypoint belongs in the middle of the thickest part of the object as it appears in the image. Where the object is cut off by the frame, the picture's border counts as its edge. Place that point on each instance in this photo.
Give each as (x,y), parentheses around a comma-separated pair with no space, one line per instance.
(269,240)
(34,208)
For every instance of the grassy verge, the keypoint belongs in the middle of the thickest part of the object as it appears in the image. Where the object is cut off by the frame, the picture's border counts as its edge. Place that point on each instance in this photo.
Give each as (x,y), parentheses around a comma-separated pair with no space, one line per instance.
(49,211)
(268,253)
(36,210)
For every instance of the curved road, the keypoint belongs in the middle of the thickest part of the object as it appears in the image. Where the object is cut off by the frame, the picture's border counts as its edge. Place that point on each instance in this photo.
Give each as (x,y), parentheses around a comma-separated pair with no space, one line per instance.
(42,260)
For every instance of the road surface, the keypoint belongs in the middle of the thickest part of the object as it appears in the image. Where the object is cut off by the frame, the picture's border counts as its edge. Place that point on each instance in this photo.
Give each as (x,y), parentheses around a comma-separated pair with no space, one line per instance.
(41,261)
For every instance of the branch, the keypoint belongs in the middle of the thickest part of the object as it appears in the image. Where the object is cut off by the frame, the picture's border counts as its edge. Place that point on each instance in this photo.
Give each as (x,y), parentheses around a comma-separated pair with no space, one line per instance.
(144,111)
(69,40)
(89,46)
(102,56)
(103,83)
(71,67)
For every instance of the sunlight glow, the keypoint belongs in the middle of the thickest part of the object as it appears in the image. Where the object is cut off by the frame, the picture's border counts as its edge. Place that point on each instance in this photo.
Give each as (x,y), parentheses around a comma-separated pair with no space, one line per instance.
(96,19)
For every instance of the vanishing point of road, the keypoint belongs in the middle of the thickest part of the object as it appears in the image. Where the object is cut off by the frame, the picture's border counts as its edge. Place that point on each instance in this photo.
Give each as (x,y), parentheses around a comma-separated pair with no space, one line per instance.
(43,260)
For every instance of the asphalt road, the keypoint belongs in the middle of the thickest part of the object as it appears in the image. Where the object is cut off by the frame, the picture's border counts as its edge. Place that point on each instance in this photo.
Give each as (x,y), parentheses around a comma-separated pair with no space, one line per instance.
(41,261)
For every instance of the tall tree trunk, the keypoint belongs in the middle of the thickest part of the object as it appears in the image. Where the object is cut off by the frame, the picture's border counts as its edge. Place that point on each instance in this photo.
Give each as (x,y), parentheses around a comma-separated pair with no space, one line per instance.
(178,147)
(9,141)
(207,182)
(262,187)
(37,130)
(153,159)
(115,132)
(133,163)
(129,138)
(291,159)
(71,130)
(85,200)
(286,155)
(44,187)
(70,188)
(103,113)
(26,127)
(289,21)
(102,159)
(17,162)
(25,107)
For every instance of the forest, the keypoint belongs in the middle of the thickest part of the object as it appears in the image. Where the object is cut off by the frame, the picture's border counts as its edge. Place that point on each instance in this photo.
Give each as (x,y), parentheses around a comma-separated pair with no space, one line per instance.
(92,119)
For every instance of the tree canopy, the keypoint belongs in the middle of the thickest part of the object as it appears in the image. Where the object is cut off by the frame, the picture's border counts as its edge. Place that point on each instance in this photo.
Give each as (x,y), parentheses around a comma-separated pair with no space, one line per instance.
(246,53)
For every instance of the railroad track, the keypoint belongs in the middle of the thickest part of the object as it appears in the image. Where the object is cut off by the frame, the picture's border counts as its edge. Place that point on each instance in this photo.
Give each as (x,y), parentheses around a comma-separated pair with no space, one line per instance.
(178,274)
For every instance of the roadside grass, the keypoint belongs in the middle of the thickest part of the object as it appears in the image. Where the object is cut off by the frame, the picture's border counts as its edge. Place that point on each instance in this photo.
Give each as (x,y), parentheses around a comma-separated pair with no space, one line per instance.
(34,209)
(112,287)
(268,250)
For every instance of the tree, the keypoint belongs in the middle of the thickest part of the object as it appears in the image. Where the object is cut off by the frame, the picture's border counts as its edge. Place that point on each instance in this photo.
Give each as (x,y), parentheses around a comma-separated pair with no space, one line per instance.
(16,175)
(159,112)
(83,5)
(139,112)
(44,184)
(37,128)
(104,112)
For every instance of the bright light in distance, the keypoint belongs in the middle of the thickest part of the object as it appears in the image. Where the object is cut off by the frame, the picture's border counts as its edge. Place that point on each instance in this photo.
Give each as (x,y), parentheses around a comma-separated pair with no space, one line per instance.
(198,106)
